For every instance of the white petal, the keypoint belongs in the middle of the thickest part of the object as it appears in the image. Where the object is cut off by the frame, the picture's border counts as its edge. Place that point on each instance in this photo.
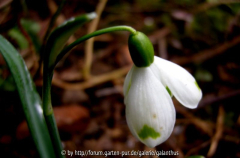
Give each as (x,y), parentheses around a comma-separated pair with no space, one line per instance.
(181,83)
(127,82)
(149,109)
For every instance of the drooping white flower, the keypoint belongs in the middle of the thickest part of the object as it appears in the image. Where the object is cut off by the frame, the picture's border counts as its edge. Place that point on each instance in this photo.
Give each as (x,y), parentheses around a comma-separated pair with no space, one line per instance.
(150,112)
(148,89)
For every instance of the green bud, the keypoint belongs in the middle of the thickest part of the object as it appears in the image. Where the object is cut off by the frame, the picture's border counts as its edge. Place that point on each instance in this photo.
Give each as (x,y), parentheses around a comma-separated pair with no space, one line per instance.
(141,49)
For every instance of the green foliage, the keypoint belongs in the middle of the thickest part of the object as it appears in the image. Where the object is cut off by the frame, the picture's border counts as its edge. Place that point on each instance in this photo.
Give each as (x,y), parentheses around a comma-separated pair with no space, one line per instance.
(30,99)
(43,132)
(16,35)
(32,28)
(203,75)
(234,8)
(7,84)
(213,22)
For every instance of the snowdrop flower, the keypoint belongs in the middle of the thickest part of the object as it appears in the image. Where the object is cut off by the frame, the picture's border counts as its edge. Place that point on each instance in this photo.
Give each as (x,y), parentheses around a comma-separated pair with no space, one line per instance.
(148,89)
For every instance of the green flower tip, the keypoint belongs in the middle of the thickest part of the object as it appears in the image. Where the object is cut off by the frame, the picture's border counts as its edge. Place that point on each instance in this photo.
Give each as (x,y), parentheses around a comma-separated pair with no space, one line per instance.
(169,91)
(129,86)
(197,85)
(147,131)
(141,49)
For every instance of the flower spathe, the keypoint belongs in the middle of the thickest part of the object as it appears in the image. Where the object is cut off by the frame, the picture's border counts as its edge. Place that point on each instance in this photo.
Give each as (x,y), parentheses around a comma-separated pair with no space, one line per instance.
(150,112)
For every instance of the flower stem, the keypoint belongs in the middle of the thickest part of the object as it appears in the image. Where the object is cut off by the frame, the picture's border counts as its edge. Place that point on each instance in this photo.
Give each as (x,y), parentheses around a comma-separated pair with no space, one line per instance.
(96,33)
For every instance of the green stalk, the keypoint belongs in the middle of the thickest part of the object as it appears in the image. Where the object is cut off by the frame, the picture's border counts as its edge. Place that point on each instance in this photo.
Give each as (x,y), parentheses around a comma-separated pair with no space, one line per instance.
(96,33)
(49,115)
(30,99)
(54,45)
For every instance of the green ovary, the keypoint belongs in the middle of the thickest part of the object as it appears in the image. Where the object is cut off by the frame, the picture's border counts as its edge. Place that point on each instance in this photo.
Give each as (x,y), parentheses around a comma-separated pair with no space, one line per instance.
(147,132)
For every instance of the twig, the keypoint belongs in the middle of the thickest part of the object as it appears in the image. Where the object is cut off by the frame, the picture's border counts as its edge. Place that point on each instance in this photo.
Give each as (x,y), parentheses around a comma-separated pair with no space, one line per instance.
(95,80)
(204,126)
(194,150)
(218,134)
(89,43)
(218,99)
(207,54)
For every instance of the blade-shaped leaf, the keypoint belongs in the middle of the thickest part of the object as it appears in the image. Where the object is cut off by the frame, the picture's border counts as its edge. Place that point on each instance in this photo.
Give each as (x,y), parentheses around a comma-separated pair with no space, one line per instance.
(30,99)
(60,35)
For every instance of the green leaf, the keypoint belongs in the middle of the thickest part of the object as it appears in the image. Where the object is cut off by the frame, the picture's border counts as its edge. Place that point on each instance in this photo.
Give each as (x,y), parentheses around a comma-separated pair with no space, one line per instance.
(60,35)
(30,26)
(19,38)
(30,99)
(32,29)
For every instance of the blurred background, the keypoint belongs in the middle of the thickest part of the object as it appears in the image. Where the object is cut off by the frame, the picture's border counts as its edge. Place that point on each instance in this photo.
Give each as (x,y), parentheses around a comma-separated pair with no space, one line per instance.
(203,36)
